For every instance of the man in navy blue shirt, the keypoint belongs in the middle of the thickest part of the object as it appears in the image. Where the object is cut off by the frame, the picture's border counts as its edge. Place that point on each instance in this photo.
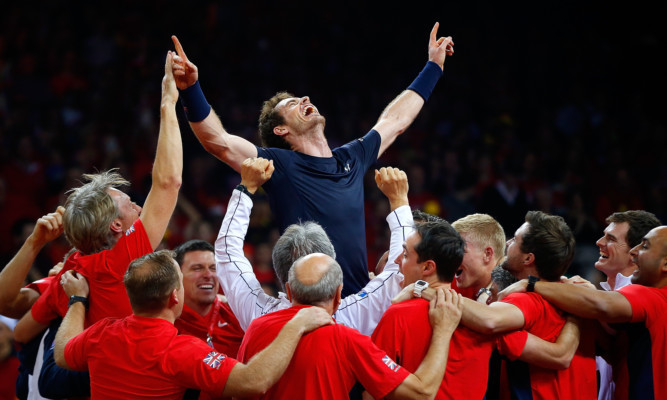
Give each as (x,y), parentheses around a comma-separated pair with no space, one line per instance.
(313,181)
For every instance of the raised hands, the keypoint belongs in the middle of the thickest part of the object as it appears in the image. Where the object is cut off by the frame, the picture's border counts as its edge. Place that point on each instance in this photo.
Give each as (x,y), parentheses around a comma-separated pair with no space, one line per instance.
(393,182)
(169,91)
(439,48)
(185,72)
(49,227)
(255,171)
(74,284)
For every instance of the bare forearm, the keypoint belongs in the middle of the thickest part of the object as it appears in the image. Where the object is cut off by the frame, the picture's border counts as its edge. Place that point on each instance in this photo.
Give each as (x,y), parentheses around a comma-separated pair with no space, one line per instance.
(12,277)
(228,148)
(168,165)
(432,369)
(397,117)
(424,383)
(20,305)
(556,355)
(71,326)
(485,319)
(586,302)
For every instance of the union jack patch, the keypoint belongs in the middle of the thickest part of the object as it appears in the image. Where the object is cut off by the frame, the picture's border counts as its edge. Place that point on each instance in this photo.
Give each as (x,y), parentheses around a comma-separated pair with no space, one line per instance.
(390,363)
(129,231)
(214,359)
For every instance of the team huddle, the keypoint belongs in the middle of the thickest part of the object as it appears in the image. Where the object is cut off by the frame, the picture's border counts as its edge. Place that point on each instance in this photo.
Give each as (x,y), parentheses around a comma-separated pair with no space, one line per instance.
(456,310)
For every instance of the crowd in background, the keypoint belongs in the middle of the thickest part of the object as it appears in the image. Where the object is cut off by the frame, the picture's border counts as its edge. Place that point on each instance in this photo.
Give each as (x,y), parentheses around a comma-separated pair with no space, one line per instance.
(550,109)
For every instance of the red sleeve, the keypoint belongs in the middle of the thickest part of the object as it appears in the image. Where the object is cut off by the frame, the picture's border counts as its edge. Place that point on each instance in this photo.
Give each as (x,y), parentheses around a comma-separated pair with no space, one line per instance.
(196,365)
(387,335)
(644,301)
(530,305)
(40,285)
(45,308)
(511,344)
(133,244)
(377,372)
(76,349)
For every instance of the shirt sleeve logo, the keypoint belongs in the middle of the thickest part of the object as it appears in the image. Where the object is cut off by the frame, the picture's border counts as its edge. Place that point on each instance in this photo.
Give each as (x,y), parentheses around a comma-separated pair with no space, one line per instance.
(129,231)
(214,359)
(390,363)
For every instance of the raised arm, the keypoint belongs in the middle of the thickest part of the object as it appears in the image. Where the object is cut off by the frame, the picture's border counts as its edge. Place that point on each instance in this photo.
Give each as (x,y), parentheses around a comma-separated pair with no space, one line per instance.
(168,165)
(400,113)
(205,123)
(15,302)
(444,314)
(267,366)
(244,293)
(73,322)
(586,302)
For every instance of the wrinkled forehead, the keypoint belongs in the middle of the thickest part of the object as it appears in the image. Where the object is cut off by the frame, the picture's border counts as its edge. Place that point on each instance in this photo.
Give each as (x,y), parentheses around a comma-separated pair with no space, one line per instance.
(283,103)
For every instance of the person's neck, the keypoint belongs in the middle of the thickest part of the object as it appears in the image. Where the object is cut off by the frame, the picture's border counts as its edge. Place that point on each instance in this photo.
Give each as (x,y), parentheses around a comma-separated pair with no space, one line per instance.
(166,314)
(439,284)
(200,308)
(611,276)
(528,271)
(314,144)
(327,306)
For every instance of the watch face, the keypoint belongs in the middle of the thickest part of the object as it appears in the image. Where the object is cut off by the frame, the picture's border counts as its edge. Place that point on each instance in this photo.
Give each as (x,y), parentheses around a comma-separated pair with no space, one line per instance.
(421,283)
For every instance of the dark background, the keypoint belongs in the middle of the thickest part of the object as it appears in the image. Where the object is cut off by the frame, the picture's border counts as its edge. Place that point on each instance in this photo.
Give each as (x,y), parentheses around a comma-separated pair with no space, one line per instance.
(560,101)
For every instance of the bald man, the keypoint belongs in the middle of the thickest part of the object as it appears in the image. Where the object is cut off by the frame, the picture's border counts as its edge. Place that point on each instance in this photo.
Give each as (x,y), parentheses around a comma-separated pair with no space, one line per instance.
(328,362)
(643,303)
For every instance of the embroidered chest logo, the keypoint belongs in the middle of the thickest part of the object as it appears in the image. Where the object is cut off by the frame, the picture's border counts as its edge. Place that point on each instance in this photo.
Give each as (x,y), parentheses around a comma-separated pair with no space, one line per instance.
(390,363)
(347,167)
(214,359)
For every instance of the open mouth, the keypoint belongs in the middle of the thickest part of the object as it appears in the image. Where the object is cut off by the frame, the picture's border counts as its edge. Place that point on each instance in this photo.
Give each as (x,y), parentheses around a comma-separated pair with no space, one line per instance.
(459,272)
(205,287)
(603,256)
(308,110)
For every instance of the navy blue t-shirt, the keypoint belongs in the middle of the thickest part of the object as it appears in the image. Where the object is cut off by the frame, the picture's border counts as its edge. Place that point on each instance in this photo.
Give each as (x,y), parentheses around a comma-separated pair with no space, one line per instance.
(329,191)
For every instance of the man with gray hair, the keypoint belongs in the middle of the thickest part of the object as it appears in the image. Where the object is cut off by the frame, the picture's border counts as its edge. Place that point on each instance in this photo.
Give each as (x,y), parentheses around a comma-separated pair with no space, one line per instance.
(246,297)
(329,360)
(142,356)
(109,230)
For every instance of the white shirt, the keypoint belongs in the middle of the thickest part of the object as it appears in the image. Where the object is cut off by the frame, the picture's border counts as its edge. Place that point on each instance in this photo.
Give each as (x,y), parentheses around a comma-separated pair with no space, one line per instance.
(247,299)
(607,384)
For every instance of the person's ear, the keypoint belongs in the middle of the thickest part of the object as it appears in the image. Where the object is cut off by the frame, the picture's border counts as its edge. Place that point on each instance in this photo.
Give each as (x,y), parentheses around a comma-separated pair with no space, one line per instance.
(116,226)
(281,130)
(429,268)
(288,292)
(529,258)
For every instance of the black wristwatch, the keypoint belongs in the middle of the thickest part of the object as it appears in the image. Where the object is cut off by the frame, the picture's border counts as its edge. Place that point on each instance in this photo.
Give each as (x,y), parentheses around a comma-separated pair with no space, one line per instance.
(76,299)
(531,283)
(244,189)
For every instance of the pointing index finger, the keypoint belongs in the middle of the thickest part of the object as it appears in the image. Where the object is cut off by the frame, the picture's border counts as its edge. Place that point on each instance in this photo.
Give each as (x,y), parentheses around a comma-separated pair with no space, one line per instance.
(434,32)
(179,48)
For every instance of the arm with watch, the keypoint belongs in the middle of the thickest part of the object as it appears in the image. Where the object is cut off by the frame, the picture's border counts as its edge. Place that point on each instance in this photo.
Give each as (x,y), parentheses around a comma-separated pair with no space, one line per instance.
(76,287)
(502,317)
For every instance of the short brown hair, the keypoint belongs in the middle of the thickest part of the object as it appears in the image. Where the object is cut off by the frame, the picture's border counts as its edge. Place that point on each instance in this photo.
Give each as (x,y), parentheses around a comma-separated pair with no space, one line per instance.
(639,224)
(89,211)
(150,279)
(269,118)
(551,241)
